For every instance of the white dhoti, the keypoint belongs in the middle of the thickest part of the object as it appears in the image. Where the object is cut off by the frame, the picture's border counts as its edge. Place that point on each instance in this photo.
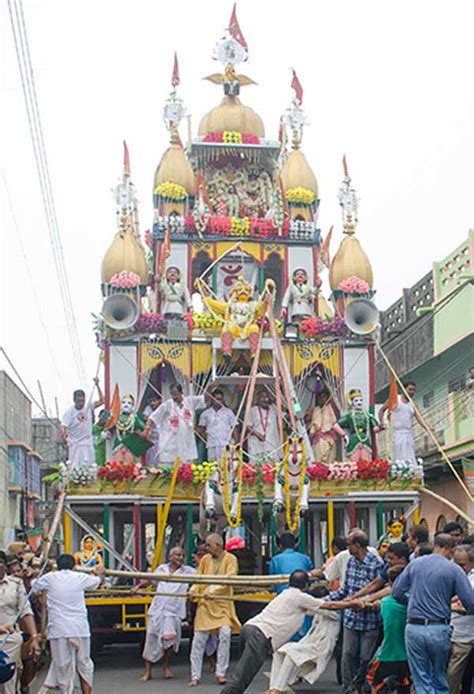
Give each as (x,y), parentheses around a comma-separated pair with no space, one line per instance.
(403,446)
(307,658)
(81,453)
(12,647)
(68,657)
(163,631)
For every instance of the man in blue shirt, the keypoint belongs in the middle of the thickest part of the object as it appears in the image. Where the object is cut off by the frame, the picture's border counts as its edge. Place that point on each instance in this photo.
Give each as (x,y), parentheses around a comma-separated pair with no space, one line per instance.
(361,628)
(288,560)
(432,581)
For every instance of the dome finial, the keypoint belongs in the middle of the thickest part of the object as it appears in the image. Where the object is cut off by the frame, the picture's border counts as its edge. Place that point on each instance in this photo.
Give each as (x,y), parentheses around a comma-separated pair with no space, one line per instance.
(295,118)
(174,109)
(348,201)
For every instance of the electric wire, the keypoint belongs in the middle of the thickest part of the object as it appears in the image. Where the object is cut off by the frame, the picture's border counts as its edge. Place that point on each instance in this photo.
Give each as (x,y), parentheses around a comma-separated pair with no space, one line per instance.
(22,51)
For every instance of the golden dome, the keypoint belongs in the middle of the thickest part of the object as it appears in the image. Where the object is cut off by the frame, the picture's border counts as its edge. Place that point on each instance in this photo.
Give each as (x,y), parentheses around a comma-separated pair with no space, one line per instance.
(174,167)
(296,173)
(124,253)
(232,115)
(350,261)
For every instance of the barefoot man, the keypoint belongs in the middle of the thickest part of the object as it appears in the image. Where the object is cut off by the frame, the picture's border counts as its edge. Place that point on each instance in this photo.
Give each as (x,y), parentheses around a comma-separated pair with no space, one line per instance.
(163,632)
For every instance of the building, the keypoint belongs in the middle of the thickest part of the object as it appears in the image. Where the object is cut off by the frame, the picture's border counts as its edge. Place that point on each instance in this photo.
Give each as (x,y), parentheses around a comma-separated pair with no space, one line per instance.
(428,334)
(48,443)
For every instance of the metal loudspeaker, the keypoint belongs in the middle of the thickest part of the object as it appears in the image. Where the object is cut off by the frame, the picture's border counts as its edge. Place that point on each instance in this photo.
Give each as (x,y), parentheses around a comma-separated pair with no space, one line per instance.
(120,311)
(361,316)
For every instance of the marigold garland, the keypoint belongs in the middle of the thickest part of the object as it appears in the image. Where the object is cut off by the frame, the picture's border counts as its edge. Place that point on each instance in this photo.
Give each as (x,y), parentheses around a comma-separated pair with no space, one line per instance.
(300,195)
(293,523)
(171,191)
(225,491)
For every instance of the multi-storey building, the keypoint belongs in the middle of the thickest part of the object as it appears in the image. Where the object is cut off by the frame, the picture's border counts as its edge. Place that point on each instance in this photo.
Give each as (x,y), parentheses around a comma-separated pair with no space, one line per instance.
(428,334)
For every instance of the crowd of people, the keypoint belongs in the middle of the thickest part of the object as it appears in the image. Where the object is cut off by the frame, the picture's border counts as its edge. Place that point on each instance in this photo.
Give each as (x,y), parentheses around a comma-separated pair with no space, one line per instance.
(402,622)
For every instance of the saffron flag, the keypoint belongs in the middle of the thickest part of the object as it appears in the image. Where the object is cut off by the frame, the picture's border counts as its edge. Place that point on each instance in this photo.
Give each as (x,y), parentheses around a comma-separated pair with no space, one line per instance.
(175,76)
(392,402)
(344,166)
(165,252)
(126,159)
(114,409)
(296,85)
(234,29)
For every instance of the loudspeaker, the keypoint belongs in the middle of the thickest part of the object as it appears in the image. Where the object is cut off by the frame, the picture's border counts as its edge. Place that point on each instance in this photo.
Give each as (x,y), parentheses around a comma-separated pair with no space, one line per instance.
(361,316)
(120,311)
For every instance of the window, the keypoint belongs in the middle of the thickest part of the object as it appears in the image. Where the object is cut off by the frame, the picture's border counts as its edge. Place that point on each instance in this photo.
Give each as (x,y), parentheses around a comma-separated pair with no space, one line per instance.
(428,399)
(440,523)
(456,384)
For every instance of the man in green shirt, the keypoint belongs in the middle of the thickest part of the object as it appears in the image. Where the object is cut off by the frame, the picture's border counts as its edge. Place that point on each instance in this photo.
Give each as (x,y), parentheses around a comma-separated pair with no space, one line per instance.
(390,666)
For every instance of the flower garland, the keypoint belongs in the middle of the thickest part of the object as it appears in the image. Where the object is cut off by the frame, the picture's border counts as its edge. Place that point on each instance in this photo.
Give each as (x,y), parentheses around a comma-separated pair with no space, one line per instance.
(300,196)
(293,523)
(353,285)
(234,523)
(314,326)
(232,137)
(125,280)
(171,191)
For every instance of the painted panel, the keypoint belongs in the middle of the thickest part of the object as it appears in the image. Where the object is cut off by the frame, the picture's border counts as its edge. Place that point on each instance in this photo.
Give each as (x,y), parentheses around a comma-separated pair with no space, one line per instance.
(356,371)
(123,362)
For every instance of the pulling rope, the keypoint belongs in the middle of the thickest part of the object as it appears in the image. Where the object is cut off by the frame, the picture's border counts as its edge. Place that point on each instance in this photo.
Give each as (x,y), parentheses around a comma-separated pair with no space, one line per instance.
(425,424)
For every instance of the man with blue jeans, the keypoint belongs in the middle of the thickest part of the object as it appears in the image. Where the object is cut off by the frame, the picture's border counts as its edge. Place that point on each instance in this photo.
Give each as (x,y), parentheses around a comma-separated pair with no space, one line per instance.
(432,581)
(361,628)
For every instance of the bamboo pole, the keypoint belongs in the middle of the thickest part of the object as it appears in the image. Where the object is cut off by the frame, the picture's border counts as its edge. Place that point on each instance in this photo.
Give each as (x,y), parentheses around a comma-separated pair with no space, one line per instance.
(54,524)
(144,594)
(246,581)
(160,531)
(438,497)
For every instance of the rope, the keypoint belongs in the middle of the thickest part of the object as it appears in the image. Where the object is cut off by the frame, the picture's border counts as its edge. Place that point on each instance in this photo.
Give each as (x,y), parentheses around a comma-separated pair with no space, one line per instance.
(428,429)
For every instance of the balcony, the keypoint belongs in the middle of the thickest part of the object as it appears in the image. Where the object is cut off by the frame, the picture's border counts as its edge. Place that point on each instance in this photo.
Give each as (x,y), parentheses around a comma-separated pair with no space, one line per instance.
(25,469)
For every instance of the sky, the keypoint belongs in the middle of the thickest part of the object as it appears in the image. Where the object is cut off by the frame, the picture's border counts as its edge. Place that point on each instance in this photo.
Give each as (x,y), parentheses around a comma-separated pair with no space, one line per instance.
(387,83)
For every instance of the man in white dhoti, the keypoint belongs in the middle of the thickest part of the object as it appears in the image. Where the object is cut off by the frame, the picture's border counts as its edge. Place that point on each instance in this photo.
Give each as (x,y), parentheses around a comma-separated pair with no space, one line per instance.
(15,612)
(307,658)
(76,428)
(68,626)
(264,436)
(175,421)
(403,443)
(166,613)
(216,424)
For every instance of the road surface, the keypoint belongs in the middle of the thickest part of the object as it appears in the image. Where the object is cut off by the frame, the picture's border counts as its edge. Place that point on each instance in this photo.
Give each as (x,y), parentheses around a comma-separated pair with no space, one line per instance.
(119,667)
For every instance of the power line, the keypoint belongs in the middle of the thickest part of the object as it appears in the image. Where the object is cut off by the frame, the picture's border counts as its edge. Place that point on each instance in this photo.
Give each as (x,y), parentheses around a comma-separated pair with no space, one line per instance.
(22,50)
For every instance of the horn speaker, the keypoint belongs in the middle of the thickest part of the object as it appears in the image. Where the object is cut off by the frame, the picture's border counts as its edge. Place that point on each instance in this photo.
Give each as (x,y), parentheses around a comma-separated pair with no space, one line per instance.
(120,311)
(362,316)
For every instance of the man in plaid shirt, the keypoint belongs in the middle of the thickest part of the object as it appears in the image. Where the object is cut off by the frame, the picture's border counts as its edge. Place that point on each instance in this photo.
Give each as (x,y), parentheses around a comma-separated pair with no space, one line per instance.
(361,627)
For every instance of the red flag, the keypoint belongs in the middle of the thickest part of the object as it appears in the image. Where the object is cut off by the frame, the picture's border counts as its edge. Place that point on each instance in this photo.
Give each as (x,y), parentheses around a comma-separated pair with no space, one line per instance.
(344,164)
(296,85)
(175,76)
(234,29)
(126,159)
(392,401)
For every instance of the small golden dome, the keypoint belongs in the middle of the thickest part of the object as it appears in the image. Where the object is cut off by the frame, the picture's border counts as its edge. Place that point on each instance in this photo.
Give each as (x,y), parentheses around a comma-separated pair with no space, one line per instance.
(297,173)
(174,167)
(124,253)
(350,261)
(232,115)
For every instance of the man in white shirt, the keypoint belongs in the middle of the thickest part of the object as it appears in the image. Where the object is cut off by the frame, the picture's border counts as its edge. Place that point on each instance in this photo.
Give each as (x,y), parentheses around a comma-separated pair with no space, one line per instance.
(270,629)
(216,423)
(166,613)
(264,435)
(76,428)
(68,626)
(175,421)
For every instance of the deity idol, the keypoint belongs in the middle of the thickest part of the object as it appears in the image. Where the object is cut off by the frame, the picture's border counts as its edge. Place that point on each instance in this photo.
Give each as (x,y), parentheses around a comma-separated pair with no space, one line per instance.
(241,313)
(89,555)
(176,299)
(298,299)
(130,439)
(322,426)
(359,425)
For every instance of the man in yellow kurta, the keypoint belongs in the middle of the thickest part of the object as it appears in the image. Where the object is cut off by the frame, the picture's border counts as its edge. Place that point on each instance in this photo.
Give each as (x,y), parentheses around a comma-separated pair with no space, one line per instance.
(214,616)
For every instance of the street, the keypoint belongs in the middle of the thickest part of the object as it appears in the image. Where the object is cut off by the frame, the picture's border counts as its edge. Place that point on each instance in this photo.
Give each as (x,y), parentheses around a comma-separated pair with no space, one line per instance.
(119,667)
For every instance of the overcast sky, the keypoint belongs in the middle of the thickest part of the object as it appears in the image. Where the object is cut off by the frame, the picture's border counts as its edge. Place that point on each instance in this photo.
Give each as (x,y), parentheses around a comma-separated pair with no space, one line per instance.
(389,83)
